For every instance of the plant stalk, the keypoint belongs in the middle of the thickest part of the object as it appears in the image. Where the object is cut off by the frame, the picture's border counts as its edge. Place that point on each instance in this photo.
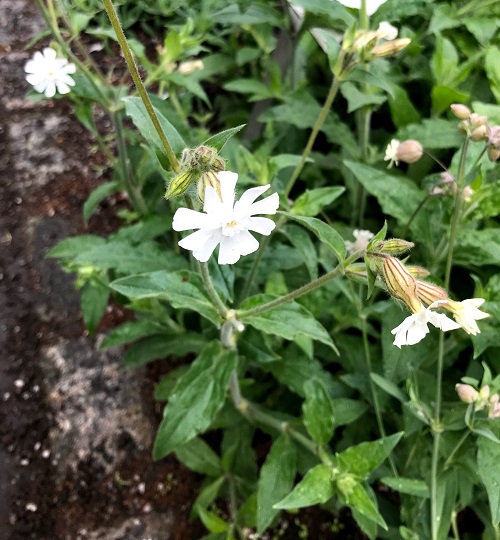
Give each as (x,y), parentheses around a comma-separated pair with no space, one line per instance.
(214,295)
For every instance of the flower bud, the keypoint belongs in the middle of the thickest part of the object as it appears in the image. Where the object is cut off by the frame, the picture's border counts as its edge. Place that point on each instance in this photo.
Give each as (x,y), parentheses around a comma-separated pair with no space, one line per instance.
(460,111)
(467,194)
(357,272)
(493,153)
(179,184)
(477,120)
(428,293)
(400,283)
(479,133)
(390,48)
(466,393)
(394,246)
(409,151)
(418,271)
(484,393)
(208,179)
(185,68)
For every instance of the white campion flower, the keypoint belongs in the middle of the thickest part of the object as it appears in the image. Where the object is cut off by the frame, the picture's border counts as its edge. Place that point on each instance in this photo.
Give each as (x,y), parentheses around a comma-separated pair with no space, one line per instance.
(225,222)
(391,153)
(387,31)
(363,237)
(414,328)
(371,5)
(47,73)
(466,312)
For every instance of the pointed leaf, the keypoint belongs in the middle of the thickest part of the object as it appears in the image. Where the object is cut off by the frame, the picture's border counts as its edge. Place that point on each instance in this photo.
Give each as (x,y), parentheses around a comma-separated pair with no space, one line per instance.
(358,498)
(218,140)
(319,417)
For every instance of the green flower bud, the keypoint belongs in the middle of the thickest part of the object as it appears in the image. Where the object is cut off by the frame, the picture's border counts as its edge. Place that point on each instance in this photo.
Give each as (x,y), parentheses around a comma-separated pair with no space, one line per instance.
(394,246)
(400,283)
(179,184)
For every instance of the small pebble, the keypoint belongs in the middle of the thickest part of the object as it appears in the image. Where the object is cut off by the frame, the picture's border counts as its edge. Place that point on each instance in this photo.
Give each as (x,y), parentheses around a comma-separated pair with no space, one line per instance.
(32,507)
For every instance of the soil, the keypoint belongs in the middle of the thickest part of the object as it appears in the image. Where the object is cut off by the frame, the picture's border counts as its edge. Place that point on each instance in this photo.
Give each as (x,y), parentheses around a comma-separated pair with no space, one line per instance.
(76,429)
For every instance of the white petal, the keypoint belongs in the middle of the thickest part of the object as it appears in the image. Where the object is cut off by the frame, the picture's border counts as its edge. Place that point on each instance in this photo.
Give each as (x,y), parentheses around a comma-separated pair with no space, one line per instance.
(197,240)
(476,302)
(70,68)
(246,243)
(50,90)
(49,53)
(212,203)
(211,243)
(186,219)
(261,225)
(229,252)
(416,333)
(246,200)
(228,181)
(62,87)
(41,86)
(67,79)
(269,205)
(32,66)
(35,78)
(442,322)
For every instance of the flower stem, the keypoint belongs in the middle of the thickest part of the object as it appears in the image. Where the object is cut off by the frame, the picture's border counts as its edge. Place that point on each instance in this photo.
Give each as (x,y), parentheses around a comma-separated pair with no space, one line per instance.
(337,271)
(214,295)
(449,459)
(134,72)
(421,204)
(314,133)
(436,427)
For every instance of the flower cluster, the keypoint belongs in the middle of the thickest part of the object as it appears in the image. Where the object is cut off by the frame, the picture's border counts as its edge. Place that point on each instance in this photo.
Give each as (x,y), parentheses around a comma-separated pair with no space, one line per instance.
(482,399)
(225,222)
(48,74)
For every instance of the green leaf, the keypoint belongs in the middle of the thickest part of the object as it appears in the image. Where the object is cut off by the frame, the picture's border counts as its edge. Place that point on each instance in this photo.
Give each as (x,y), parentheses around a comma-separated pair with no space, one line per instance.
(131,331)
(403,111)
(396,195)
(312,201)
(286,320)
(363,458)
(359,499)
(218,140)
(100,193)
(71,247)
(249,86)
(319,415)
(137,111)
(196,399)
(366,77)
(334,10)
(275,480)
(389,387)
(315,488)
(165,386)
(346,410)
(326,234)
(433,133)
(95,295)
(478,248)
(489,110)
(444,61)
(199,457)
(492,68)
(207,495)
(301,240)
(182,289)
(356,99)
(443,97)
(157,347)
(212,522)
(408,486)
(129,259)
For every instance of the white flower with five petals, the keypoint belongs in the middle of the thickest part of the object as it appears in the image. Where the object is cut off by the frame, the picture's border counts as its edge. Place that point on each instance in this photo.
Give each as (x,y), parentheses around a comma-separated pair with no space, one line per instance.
(225,222)
(415,327)
(47,73)
(466,312)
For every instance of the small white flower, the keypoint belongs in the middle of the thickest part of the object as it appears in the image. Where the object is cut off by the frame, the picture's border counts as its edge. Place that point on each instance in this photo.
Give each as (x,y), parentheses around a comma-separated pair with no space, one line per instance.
(466,312)
(414,328)
(48,73)
(225,222)
(363,237)
(371,5)
(387,31)
(391,153)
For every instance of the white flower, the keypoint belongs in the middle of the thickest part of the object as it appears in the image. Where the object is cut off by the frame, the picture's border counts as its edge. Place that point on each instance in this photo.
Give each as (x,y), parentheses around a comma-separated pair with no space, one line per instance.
(48,73)
(225,222)
(371,5)
(466,312)
(363,237)
(414,328)
(387,31)
(391,153)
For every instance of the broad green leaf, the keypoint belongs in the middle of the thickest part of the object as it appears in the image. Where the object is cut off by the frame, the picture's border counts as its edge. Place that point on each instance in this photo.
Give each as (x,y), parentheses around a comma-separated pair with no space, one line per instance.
(286,320)
(433,133)
(207,495)
(136,110)
(403,111)
(443,97)
(334,10)
(346,410)
(95,295)
(301,240)
(325,233)
(249,86)
(315,488)
(356,99)
(199,457)
(126,258)
(389,387)
(131,331)
(488,337)
(196,399)
(218,140)
(359,499)
(482,28)
(157,347)
(275,480)
(396,195)
(73,246)
(489,110)
(363,458)
(253,14)
(165,386)
(408,486)
(148,228)
(492,68)
(312,201)
(478,248)
(367,77)
(319,415)
(100,193)
(444,61)
(212,521)
(182,289)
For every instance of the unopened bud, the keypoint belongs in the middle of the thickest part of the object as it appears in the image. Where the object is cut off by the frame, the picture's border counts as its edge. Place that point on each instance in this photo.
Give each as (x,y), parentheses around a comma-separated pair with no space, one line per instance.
(417,271)
(391,47)
(179,184)
(484,393)
(394,246)
(467,194)
(493,153)
(209,179)
(466,393)
(429,293)
(185,68)
(460,111)
(400,283)
(357,272)
(479,133)
(477,120)
(409,151)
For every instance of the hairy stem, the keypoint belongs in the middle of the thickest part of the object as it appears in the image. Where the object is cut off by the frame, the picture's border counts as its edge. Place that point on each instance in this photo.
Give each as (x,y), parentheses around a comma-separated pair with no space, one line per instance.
(214,295)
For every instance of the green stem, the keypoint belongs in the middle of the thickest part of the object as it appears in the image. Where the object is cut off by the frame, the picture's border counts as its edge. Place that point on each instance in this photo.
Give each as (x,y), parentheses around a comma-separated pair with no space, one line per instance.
(209,286)
(337,271)
(314,133)
(127,53)
(436,427)
(449,459)
(421,204)
(454,526)
(132,191)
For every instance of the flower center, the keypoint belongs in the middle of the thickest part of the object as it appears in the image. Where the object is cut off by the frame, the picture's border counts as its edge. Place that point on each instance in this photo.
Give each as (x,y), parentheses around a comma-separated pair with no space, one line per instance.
(231,228)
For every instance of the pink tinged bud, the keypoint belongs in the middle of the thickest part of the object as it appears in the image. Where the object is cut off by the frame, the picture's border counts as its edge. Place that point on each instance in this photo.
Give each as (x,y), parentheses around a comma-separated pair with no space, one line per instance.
(479,133)
(493,153)
(467,194)
(447,178)
(400,283)
(466,393)
(484,393)
(429,293)
(494,411)
(477,120)
(409,151)
(460,111)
